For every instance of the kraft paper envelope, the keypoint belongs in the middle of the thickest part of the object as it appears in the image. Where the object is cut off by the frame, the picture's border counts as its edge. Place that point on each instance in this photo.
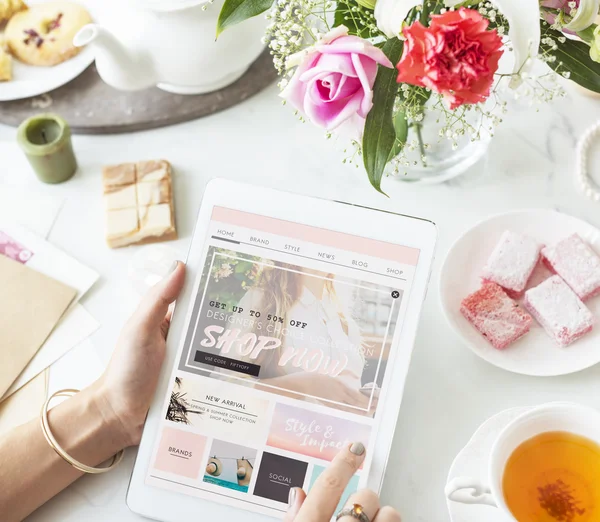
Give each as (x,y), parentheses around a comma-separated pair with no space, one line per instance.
(30,306)
(24,405)
(73,327)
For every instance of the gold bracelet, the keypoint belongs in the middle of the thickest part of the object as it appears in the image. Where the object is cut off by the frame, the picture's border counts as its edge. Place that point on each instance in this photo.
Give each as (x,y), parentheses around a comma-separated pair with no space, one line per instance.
(61,452)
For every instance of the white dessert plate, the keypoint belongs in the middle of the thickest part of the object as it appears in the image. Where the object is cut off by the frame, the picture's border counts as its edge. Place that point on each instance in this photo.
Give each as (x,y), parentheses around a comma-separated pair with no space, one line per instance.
(472,461)
(30,80)
(535,353)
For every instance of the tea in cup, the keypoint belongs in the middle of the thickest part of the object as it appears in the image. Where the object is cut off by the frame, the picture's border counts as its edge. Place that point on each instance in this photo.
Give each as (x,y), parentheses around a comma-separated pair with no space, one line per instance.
(544,467)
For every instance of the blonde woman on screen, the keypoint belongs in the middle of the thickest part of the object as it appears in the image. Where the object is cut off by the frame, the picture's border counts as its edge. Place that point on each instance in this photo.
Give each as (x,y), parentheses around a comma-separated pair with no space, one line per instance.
(310,297)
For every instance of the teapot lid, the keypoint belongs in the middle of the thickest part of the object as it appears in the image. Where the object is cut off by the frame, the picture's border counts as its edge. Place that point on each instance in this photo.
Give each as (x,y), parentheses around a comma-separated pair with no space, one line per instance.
(168,5)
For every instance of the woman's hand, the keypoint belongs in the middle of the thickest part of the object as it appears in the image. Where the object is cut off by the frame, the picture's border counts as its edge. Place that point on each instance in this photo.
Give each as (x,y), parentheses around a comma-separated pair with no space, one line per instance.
(321,503)
(128,384)
(97,422)
(321,387)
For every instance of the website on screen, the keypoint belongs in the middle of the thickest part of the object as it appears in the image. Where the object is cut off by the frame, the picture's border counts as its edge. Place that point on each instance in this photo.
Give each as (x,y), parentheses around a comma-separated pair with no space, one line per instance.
(287,357)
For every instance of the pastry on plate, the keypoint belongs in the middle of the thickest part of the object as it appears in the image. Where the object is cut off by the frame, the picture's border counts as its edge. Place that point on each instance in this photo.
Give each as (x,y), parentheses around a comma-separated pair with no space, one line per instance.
(512,262)
(5,64)
(497,317)
(43,35)
(558,309)
(8,8)
(574,261)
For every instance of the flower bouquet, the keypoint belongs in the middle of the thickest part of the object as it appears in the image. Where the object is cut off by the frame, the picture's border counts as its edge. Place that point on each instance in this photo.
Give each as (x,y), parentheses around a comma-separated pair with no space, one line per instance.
(383,72)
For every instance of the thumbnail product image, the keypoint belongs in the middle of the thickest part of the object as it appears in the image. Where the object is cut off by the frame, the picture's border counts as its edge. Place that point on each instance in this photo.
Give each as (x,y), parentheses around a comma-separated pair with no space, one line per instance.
(230,466)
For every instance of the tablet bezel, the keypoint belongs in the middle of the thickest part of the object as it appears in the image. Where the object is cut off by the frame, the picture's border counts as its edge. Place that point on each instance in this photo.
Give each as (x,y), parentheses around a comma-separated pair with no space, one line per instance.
(170,506)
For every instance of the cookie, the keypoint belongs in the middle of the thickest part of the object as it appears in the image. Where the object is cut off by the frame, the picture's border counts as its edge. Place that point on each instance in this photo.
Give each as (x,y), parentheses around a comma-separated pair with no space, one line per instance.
(43,35)
(8,8)
(5,66)
(5,63)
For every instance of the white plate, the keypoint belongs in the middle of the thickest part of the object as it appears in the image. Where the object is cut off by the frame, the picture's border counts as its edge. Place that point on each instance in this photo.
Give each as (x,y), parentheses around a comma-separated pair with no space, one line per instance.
(29,80)
(535,353)
(472,461)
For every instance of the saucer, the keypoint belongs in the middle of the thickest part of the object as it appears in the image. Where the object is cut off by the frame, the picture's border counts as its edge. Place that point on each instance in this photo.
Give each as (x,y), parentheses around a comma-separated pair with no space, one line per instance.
(535,353)
(472,461)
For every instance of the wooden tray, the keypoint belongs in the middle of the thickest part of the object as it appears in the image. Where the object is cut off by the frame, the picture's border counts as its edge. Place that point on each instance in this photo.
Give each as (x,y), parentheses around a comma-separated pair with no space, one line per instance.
(92,107)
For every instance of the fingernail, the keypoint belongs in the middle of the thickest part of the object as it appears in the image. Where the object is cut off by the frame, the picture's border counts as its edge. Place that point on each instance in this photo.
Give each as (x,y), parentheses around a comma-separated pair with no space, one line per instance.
(173,267)
(358,448)
(292,497)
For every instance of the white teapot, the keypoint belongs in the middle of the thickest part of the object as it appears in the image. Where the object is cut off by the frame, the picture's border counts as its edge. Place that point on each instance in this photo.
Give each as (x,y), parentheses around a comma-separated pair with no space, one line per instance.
(171,44)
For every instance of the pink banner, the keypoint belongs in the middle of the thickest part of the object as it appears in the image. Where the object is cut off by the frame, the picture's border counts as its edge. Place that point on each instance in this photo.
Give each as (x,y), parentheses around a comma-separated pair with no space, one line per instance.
(321,236)
(313,434)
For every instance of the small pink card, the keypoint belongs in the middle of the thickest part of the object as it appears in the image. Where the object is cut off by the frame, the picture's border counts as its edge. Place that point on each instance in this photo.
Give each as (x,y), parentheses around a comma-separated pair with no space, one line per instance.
(180,452)
(13,250)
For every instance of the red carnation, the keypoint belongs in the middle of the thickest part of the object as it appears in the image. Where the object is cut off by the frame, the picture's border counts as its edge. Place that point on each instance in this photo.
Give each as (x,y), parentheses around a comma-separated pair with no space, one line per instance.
(455,56)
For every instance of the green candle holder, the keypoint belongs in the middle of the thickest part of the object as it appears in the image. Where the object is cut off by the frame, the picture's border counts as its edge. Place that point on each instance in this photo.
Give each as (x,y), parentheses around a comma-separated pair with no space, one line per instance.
(46,141)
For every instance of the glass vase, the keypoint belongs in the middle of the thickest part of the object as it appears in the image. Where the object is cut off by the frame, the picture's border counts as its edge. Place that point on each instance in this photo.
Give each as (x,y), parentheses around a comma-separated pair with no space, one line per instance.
(431,157)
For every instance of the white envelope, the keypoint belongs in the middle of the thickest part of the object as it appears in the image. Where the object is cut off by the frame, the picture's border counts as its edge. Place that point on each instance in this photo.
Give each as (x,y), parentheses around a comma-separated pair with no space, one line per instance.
(74,327)
(36,253)
(31,208)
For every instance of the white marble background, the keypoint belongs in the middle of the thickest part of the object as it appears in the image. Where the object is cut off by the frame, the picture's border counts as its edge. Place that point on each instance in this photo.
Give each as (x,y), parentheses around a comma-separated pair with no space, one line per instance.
(449,391)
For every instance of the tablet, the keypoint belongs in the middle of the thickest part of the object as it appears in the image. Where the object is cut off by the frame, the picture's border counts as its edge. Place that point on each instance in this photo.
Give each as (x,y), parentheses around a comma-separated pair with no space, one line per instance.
(292,338)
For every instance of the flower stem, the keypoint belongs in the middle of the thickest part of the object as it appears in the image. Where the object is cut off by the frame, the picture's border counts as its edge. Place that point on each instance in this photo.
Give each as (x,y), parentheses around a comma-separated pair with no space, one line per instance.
(418,126)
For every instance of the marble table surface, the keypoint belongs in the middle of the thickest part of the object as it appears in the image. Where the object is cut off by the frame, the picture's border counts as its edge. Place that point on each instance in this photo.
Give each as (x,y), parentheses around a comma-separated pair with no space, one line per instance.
(449,391)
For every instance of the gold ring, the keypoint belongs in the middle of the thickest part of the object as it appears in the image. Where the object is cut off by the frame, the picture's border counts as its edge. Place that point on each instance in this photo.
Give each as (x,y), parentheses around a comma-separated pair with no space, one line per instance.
(356,511)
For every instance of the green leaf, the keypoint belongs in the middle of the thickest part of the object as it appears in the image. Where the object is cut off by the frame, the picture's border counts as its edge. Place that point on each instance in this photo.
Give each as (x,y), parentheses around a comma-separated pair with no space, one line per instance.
(401,128)
(379,135)
(236,11)
(424,18)
(574,57)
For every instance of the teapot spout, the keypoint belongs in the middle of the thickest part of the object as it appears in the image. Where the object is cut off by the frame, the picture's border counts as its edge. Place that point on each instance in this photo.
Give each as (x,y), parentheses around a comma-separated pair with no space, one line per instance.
(118,66)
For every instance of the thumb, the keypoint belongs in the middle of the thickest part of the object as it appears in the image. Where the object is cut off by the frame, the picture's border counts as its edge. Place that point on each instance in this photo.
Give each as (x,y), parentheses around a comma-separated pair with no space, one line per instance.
(155,304)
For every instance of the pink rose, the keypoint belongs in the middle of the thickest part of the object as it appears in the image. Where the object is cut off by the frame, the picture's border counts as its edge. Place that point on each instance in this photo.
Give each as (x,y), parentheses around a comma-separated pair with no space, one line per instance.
(333,83)
(455,56)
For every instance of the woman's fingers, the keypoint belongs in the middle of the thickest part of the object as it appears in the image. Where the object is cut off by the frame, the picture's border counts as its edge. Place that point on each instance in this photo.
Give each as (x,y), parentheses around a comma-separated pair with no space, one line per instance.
(325,493)
(387,514)
(295,501)
(367,501)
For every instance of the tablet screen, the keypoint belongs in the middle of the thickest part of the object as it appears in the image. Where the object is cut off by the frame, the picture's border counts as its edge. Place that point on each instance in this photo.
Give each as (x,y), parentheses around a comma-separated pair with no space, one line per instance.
(286,358)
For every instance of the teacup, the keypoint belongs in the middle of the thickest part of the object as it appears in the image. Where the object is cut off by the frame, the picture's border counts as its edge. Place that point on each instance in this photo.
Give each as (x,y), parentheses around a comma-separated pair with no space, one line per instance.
(553,417)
